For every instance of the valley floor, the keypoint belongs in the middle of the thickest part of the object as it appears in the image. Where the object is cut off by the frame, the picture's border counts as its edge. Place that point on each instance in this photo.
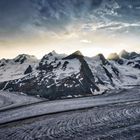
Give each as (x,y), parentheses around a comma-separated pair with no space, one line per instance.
(112,116)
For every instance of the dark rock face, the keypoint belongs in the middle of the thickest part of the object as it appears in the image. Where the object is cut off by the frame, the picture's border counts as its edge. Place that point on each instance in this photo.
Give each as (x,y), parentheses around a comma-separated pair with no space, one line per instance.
(1,65)
(120,61)
(3,62)
(108,74)
(102,58)
(76,54)
(130,62)
(21,59)
(28,70)
(88,77)
(137,66)
(64,65)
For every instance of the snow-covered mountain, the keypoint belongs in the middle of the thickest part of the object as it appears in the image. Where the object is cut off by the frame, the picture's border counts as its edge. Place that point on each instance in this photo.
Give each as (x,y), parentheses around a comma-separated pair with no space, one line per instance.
(128,65)
(11,69)
(60,76)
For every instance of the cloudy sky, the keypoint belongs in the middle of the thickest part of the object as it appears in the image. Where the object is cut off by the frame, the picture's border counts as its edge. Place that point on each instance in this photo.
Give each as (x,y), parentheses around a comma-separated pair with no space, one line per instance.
(91,26)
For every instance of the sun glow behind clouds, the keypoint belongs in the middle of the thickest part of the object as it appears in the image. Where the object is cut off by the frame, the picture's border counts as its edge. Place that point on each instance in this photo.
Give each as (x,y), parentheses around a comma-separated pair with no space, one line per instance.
(89,43)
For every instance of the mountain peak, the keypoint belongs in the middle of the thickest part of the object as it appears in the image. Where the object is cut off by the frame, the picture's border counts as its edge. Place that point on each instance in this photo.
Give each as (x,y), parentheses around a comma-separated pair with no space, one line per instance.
(101,55)
(52,53)
(124,54)
(123,51)
(76,54)
(113,56)
(102,58)
(23,57)
(53,56)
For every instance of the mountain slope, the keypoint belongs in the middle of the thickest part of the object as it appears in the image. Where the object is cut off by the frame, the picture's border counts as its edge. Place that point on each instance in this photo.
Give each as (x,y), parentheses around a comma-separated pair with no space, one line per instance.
(11,69)
(129,67)
(59,76)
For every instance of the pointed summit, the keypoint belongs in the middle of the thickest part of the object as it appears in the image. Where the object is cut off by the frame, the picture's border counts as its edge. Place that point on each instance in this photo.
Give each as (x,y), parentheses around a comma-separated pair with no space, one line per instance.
(23,57)
(101,56)
(103,59)
(52,56)
(124,54)
(76,54)
(52,53)
(113,56)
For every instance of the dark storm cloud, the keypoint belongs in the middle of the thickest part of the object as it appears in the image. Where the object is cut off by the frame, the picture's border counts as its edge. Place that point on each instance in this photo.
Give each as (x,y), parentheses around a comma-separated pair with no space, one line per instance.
(57,14)
(21,17)
(14,15)
(53,9)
